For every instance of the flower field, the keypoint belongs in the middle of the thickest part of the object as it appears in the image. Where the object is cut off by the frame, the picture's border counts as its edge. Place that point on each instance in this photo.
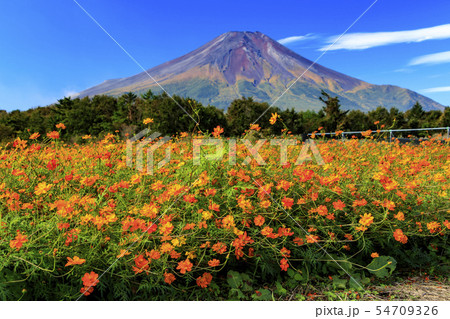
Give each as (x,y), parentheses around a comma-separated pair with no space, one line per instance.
(77,222)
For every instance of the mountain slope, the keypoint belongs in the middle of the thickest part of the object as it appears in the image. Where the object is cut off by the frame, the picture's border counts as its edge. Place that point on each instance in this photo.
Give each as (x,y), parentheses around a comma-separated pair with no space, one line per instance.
(239,64)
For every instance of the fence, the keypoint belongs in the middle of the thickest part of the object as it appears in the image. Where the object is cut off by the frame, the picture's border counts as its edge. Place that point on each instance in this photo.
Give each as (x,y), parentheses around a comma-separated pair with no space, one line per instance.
(391,132)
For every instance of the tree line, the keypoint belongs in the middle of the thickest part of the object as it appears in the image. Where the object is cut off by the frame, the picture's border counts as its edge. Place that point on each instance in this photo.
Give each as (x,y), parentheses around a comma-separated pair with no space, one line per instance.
(103,114)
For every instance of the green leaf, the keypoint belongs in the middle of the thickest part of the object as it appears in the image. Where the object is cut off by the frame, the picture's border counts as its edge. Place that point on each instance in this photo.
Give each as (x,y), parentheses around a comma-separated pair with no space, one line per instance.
(237,292)
(298,277)
(382,266)
(263,294)
(339,283)
(356,282)
(234,279)
(290,272)
(282,291)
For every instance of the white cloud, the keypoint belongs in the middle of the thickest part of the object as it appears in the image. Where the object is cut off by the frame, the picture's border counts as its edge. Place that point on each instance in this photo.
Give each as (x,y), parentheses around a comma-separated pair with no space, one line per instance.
(70,93)
(296,38)
(437,89)
(435,58)
(361,41)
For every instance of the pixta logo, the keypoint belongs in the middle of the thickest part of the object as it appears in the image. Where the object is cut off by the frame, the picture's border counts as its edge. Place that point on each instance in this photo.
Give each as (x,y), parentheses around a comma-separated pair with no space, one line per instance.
(156,141)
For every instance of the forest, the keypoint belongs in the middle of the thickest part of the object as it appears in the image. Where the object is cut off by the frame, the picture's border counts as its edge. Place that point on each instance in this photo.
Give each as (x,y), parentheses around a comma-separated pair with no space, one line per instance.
(103,114)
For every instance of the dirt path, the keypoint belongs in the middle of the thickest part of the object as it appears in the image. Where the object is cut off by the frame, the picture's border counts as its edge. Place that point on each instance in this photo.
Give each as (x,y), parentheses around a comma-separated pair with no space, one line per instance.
(416,288)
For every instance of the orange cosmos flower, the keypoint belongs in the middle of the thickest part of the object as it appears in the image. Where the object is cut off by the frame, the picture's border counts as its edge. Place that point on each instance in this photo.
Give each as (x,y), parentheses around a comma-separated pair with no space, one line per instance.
(174,255)
(141,264)
(273,118)
(61,126)
(400,216)
(284,264)
(266,231)
(259,220)
(359,202)
(90,279)
(285,252)
(228,222)
(86,137)
(51,165)
(366,133)
(147,121)
(217,131)
(446,224)
(255,127)
(18,241)
(53,135)
(204,280)
(214,263)
(433,227)
(123,252)
(219,247)
(34,136)
(154,254)
(399,236)
(374,255)
(322,210)
(75,261)
(86,291)
(184,266)
(339,205)
(366,219)
(42,188)
(169,278)
(287,202)
(299,241)
(166,248)
(213,206)
(312,239)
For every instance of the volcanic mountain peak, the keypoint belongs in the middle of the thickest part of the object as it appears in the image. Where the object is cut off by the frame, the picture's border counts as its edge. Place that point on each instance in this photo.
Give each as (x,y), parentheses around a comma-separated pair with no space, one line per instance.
(237,64)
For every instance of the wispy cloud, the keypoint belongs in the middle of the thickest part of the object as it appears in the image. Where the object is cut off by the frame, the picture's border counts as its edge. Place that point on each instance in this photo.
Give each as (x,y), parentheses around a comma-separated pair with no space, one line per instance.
(435,58)
(361,41)
(71,93)
(296,38)
(437,89)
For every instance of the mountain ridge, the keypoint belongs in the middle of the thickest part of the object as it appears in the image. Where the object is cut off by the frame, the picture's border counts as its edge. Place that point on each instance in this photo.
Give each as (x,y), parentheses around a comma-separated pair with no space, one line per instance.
(246,63)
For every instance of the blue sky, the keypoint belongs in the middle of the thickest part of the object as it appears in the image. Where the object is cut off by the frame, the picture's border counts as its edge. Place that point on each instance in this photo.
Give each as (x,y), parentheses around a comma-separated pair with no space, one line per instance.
(50,49)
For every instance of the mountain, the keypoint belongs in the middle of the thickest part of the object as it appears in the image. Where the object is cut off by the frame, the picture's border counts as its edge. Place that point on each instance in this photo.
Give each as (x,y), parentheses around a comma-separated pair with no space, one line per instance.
(239,64)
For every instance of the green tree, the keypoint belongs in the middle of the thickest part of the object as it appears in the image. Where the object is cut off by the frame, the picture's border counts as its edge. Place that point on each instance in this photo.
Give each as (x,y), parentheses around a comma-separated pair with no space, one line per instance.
(244,111)
(380,114)
(334,117)
(357,120)
(415,116)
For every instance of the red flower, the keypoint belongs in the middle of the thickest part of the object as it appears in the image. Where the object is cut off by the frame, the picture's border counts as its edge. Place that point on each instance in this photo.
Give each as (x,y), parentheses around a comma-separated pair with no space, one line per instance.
(287,202)
(154,254)
(184,266)
(214,262)
(141,264)
(204,280)
(399,236)
(339,205)
(259,220)
(54,135)
(75,261)
(90,279)
(169,278)
(285,252)
(18,241)
(217,131)
(86,290)
(214,206)
(51,165)
(284,264)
